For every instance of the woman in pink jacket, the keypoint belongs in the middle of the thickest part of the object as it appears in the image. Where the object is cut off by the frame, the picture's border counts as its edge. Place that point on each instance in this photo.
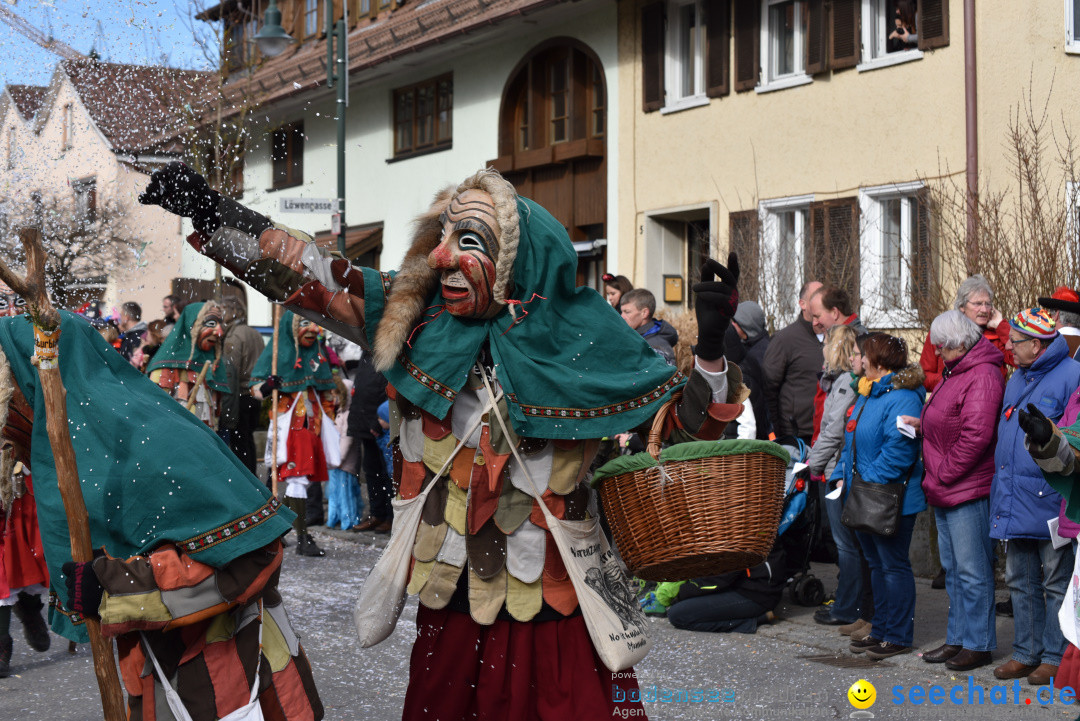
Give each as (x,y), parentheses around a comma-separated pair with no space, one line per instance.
(959,427)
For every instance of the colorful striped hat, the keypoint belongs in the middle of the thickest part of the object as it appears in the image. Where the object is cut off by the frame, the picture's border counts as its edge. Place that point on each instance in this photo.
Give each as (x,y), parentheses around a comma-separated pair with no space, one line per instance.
(1035,322)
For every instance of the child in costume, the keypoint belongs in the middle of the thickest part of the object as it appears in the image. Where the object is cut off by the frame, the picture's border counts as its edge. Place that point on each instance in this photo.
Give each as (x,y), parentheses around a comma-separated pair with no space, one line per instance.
(307,443)
(485,307)
(190,540)
(194,342)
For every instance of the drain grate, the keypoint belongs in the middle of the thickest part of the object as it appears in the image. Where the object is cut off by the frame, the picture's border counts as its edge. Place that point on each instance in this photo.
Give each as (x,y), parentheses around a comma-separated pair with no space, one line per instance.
(839,661)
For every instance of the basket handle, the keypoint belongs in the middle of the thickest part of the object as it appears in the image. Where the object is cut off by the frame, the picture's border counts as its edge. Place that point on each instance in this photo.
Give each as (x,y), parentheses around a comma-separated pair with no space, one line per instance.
(653,446)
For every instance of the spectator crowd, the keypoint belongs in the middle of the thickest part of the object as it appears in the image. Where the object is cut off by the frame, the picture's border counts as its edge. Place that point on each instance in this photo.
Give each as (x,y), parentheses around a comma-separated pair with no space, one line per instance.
(972,430)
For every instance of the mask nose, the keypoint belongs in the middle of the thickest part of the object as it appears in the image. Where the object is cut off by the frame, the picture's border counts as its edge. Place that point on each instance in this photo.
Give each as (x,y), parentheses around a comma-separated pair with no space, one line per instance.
(444,257)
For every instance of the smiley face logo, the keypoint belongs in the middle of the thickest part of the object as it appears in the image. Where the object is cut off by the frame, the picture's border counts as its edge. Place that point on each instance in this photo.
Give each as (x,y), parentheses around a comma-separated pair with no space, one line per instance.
(862,694)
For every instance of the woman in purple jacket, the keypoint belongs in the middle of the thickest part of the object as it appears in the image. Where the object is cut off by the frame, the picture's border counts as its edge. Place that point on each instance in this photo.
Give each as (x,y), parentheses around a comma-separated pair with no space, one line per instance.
(959,428)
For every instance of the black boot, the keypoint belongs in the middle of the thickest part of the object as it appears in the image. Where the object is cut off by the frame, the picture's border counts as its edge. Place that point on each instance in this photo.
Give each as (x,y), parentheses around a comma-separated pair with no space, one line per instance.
(305,546)
(28,610)
(5,656)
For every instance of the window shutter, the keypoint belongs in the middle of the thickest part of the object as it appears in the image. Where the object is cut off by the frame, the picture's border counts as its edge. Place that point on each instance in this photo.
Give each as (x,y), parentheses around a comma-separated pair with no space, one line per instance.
(933,24)
(747,44)
(718,52)
(845,44)
(834,244)
(817,47)
(923,265)
(652,56)
(743,240)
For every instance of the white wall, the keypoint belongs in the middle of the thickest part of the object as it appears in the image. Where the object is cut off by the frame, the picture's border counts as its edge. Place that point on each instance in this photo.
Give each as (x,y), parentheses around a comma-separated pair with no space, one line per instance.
(395,193)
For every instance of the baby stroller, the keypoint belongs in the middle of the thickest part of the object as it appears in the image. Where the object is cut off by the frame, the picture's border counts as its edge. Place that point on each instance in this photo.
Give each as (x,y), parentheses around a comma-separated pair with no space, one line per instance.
(798,529)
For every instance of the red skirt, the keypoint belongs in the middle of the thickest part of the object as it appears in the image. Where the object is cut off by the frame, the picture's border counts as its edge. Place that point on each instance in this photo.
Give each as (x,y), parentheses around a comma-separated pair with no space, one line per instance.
(22,558)
(305,455)
(546,671)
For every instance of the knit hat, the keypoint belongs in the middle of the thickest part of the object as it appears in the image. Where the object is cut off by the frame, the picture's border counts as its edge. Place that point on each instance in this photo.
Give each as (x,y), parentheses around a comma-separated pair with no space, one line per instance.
(1035,322)
(1064,299)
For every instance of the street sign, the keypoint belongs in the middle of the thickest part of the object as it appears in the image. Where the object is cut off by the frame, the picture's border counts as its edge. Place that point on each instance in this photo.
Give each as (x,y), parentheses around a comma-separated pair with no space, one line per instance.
(307,205)
(335,224)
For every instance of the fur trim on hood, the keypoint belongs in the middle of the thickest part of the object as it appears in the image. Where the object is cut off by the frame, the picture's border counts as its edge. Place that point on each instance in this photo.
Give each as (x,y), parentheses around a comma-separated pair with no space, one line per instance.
(910,377)
(416,282)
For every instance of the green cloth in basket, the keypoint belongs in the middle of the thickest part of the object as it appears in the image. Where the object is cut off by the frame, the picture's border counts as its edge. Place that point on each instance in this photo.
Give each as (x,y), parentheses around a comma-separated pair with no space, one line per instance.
(687,452)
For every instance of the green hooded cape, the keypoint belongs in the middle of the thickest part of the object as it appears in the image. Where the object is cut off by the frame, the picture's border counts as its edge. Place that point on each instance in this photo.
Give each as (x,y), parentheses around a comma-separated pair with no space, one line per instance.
(570,365)
(175,352)
(298,367)
(150,471)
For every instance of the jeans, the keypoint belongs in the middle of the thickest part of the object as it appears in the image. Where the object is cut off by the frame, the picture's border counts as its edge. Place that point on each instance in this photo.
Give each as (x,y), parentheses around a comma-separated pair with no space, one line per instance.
(893,582)
(849,579)
(967,555)
(1038,575)
(717,613)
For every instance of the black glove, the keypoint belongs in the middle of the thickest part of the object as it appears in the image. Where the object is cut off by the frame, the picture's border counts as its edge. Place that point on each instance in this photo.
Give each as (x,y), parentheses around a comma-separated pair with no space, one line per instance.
(1036,426)
(84,589)
(715,304)
(271,384)
(180,190)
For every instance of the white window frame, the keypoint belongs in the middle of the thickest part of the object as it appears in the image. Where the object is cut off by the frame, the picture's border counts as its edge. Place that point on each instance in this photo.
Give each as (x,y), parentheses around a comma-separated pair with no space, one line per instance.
(1072,44)
(770,243)
(871,239)
(874,55)
(673,66)
(767,82)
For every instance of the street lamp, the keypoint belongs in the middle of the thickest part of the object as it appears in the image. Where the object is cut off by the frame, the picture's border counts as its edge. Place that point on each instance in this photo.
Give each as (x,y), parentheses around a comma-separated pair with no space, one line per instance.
(273,40)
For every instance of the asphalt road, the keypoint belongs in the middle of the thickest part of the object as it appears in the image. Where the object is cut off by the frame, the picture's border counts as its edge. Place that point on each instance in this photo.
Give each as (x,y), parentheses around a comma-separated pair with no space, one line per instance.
(764,676)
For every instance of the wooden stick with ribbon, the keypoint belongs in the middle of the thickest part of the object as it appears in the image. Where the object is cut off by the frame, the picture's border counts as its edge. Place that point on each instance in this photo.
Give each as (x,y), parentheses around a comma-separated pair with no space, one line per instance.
(46,321)
(273,406)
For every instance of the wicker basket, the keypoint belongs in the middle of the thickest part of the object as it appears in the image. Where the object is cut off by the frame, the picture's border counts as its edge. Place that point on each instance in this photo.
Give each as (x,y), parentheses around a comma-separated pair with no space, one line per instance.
(679,519)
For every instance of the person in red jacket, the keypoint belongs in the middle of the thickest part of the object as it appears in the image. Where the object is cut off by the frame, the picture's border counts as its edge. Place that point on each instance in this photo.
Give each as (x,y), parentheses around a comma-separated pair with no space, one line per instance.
(975,299)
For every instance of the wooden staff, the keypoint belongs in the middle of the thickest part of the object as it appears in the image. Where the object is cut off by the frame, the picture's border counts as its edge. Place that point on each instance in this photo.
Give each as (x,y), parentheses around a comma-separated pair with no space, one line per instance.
(273,405)
(46,318)
(199,380)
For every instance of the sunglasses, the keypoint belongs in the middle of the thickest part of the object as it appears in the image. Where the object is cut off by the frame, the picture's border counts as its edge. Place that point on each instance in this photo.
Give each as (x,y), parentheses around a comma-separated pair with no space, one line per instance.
(607,277)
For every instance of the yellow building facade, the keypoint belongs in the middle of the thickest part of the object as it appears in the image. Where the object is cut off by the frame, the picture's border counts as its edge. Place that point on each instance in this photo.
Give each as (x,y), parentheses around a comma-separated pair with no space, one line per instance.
(809,136)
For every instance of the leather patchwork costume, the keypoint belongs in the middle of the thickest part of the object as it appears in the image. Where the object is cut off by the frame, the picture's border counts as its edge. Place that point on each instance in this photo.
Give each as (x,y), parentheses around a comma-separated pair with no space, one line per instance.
(487,288)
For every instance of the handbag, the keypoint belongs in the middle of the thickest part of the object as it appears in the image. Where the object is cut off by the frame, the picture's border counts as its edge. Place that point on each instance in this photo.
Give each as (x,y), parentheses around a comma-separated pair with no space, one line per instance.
(872,507)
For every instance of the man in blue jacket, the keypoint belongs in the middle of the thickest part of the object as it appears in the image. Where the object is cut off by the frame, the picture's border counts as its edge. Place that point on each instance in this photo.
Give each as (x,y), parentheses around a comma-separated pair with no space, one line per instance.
(1021,501)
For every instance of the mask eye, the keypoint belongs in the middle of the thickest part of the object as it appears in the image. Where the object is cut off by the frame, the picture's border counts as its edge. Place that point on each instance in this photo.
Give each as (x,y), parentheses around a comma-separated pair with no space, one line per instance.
(470,241)
(19,302)
(210,323)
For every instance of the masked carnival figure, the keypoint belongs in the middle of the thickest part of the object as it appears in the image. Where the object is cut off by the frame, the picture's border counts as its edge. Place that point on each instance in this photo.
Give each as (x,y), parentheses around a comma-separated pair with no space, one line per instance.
(23,575)
(188,541)
(194,345)
(307,439)
(502,375)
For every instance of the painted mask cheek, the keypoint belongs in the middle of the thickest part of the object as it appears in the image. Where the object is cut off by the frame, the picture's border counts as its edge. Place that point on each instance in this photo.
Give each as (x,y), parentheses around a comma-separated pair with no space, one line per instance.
(480,272)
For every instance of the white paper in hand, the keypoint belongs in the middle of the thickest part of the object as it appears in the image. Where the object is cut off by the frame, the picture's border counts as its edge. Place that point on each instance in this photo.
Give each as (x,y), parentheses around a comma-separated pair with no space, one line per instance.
(905,429)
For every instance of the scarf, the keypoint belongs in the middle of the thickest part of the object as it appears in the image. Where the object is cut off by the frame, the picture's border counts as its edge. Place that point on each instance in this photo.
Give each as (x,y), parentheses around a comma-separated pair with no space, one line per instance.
(571,366)
(176,352)
(298,367)
(151,473)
